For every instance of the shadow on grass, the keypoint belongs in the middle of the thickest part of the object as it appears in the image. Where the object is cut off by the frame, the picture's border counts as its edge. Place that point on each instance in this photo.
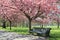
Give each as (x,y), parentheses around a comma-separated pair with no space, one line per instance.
(55,36)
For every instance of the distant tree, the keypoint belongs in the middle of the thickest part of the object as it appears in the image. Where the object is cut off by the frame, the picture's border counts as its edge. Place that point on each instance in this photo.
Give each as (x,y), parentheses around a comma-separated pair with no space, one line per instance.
(55,17)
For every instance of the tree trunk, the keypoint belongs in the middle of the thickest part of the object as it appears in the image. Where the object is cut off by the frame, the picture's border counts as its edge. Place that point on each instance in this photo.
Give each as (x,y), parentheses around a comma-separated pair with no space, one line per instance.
(4,24)
(29,25)
(10,25)
(58,23)
(42,25)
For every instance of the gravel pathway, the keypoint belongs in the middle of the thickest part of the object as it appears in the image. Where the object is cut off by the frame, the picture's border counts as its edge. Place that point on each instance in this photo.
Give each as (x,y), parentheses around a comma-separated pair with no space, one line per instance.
(13,36)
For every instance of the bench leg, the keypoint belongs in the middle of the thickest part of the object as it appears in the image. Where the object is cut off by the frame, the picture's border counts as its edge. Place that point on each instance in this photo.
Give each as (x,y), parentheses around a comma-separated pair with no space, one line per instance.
(47,35)
(33,33)
(38,34)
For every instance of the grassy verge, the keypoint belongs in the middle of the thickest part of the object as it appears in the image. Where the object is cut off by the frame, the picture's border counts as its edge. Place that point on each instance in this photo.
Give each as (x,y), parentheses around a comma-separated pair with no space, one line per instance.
(54,34)
(18,30)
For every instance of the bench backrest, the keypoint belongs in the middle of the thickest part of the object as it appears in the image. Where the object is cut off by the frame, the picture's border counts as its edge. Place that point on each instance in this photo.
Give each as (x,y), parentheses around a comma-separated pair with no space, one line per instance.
(44,30)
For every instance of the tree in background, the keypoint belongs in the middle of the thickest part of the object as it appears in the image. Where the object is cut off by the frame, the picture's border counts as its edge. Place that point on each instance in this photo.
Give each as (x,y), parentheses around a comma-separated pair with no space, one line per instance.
(56,18)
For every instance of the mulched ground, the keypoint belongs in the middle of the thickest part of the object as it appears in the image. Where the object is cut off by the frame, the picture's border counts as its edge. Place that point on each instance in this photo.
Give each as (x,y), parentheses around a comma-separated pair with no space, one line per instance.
(14,36)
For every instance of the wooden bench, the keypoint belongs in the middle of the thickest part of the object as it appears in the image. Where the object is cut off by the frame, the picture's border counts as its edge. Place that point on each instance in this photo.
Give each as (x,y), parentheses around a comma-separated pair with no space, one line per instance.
(41,31)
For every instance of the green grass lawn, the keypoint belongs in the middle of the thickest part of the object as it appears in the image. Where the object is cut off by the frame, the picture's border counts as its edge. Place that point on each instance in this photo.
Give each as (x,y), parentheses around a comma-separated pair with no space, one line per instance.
(18,30)
(54,33)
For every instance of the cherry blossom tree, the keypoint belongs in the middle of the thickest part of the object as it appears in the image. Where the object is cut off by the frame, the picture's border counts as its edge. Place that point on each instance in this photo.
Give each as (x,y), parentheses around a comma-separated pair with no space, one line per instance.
(43,19)
(32,9)
(56,18)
